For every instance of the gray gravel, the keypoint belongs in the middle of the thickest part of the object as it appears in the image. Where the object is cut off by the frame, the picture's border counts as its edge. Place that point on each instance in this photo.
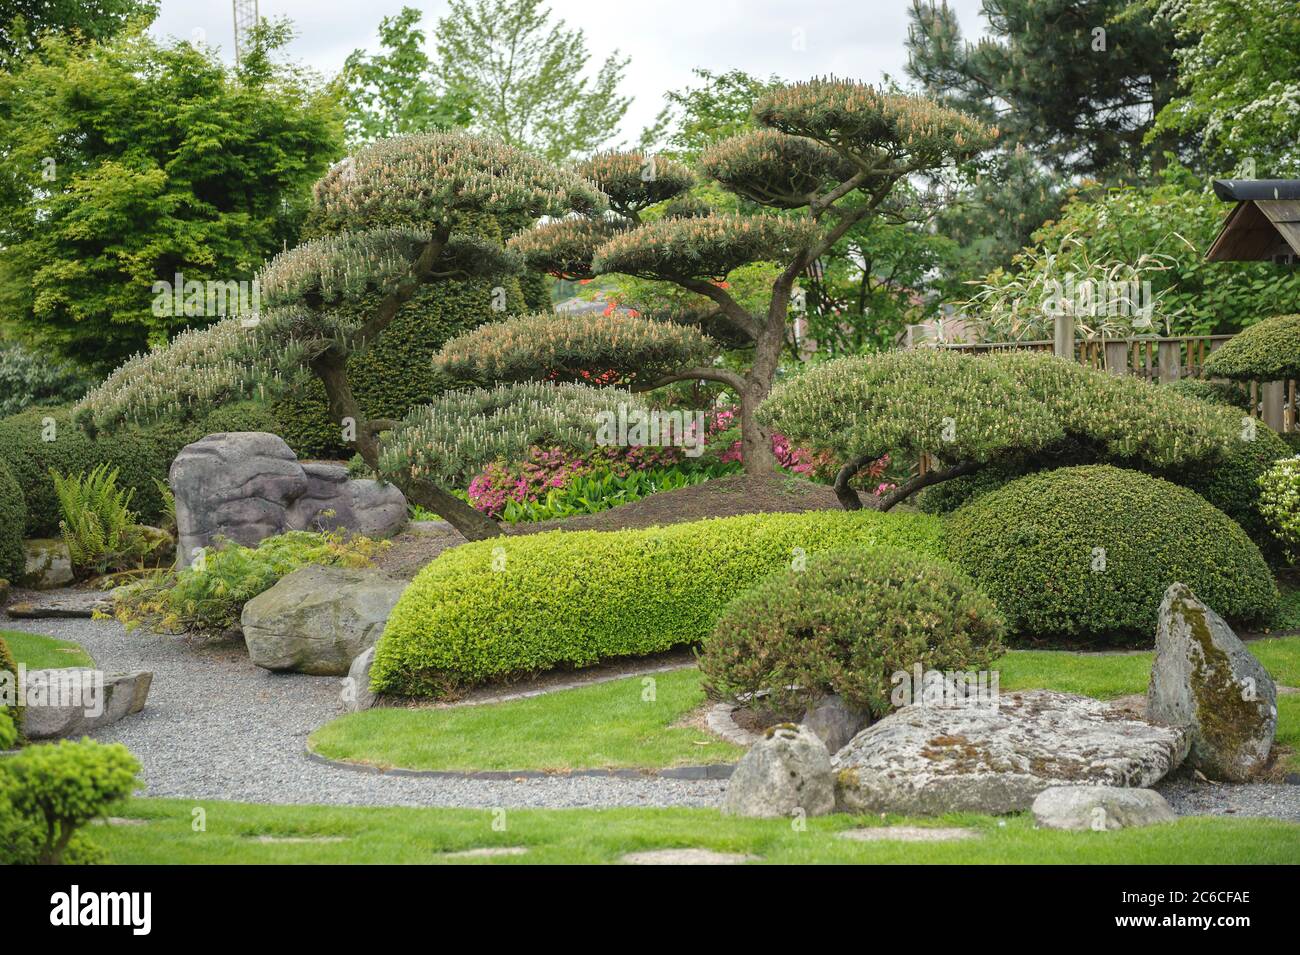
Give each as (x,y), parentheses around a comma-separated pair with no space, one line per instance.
(217,727)
(1190,798)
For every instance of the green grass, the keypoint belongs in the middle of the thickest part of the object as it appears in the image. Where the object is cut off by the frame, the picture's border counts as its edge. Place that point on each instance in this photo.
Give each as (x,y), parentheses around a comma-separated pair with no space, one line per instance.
(618,724)
(401,835)
(610,725)
(45,653)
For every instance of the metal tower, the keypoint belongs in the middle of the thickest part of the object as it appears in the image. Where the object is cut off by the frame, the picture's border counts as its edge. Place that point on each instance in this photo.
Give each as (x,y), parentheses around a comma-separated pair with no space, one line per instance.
(245,20)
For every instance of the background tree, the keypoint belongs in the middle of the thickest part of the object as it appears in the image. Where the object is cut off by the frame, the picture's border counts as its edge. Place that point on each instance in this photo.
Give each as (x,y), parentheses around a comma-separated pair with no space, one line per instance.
(75,19)
(397,91)
(524,77)
(829,157)
(1078,82)
(1238,83)
(129,161)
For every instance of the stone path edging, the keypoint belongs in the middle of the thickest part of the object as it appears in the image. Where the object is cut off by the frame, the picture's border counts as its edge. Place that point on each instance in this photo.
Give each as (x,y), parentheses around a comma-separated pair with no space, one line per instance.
(693,773)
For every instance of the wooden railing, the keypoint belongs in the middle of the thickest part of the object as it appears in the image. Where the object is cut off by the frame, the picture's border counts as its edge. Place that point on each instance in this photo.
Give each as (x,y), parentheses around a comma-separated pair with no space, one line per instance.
(1158,360)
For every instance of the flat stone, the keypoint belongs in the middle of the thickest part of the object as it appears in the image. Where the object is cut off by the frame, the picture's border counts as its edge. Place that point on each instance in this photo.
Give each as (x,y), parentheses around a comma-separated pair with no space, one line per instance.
(1100,808)
(687,857)
(962,757)
(293,839)
(319,619)
(1204,679)
(73,701)
(487,852)
(71,604)
(789,770)
(908,834)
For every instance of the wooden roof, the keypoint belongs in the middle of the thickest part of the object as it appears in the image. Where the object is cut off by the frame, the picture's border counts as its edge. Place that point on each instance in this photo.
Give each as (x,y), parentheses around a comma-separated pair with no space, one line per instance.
(1258,229)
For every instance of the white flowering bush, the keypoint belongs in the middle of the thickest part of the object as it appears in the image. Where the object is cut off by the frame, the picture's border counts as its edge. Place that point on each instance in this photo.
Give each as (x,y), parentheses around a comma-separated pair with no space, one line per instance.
(1279,502)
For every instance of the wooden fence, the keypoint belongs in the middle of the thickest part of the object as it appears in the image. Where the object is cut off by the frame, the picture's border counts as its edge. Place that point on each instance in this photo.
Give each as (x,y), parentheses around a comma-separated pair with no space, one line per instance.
(1157,360)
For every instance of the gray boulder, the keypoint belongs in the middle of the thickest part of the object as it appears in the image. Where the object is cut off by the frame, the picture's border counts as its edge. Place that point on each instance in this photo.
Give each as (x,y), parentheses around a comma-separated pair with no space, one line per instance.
(237,485)
(319,619)
(834,721)
(248,485)
(74,701)
(48,564)
(1100,808)
(788,770)
(356,694)
(1206,680)
(997,757)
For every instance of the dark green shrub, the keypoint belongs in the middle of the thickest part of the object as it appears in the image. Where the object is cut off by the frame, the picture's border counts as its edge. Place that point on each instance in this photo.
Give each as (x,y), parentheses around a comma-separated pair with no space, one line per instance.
(846,624)
(1089,551)
(58,787)
(521,604)
(13,519)
(30,378)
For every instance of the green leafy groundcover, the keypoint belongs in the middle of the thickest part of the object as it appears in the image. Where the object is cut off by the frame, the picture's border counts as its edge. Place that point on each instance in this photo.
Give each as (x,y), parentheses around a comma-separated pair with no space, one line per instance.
(1089,551)
(512,605)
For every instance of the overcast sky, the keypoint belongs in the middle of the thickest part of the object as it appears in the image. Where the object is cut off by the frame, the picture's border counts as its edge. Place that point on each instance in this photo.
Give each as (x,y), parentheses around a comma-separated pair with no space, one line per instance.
(794,39)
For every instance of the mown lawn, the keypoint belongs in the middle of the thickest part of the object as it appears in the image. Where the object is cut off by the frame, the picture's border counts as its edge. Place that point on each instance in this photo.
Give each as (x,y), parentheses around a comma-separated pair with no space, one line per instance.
(234,834)
(45,653)
(616,724)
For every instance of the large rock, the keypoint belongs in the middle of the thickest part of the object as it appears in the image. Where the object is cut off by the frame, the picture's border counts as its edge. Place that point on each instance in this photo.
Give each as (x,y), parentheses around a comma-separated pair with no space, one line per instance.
(48,564)
(834,721)
(996,758)
(356,693)
(1206,680)
(789,769)
(1100,808)
(248,485)
(73,701)
(319,619)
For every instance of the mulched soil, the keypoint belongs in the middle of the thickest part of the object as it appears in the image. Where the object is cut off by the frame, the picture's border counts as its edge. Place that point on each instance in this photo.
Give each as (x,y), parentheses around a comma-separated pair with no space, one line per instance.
(721,497)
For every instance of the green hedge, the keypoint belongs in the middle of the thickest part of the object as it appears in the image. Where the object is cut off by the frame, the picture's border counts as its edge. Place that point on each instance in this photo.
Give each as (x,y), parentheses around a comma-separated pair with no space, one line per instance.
(140,453)
(574,598)
(1033,546)
(13,521)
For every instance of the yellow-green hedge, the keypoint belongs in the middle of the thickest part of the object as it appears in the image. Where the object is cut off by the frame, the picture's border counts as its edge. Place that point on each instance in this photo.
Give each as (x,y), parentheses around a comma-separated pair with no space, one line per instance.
(568,598)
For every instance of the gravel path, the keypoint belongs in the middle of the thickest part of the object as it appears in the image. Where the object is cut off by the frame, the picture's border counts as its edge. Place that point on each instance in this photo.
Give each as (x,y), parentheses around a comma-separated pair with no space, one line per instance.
(217,727)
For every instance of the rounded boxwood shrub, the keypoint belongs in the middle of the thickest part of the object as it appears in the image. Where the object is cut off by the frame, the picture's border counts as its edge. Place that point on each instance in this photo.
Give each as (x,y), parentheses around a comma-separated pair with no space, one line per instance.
(846,624)
(572,598)
(13,519)
(1089,551)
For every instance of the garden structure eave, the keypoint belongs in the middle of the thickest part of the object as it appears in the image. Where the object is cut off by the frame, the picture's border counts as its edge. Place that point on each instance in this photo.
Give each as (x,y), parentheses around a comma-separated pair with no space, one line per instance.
(1263,226)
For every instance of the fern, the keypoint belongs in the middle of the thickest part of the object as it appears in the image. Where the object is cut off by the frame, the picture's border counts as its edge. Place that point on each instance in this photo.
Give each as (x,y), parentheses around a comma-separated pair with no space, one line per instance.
(97,518)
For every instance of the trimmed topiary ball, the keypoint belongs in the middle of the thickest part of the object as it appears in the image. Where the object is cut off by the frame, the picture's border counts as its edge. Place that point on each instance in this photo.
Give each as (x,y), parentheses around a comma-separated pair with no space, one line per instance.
(1266,351)
(846,624)
(1089,551)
